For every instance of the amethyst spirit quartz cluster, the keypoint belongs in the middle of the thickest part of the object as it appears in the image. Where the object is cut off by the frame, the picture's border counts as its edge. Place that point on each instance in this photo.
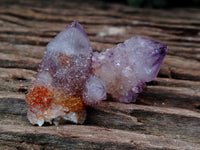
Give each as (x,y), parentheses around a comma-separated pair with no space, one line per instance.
(71,76)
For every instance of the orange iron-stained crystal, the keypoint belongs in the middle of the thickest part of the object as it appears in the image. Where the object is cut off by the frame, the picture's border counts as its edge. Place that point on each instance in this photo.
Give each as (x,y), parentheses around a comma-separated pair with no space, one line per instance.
(39,96)
(64,59)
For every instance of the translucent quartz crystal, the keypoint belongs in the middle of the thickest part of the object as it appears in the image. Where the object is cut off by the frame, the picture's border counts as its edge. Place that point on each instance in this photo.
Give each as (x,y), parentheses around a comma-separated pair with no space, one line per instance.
(126,67)
(65,82)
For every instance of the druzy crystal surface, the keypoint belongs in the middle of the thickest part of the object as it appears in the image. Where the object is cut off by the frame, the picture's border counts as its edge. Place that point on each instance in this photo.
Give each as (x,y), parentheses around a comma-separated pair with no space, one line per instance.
(126,67)
(65,83)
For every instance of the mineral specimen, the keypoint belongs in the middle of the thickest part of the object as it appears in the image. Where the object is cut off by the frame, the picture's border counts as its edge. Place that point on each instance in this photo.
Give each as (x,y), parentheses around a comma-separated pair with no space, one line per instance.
(65,82)
(126,67)
(71,76)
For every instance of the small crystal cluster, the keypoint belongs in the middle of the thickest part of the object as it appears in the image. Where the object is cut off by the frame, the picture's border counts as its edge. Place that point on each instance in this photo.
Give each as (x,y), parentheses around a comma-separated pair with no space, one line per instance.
(126,67)
(71,76)
(65,82)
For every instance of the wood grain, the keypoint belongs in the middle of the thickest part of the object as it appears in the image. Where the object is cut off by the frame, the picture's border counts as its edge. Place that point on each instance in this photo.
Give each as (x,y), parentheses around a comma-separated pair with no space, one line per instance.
(165,116)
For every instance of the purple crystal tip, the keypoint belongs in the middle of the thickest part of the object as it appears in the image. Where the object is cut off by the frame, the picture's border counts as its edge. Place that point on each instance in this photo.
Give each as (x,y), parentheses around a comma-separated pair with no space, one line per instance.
(76,25)
(147,55)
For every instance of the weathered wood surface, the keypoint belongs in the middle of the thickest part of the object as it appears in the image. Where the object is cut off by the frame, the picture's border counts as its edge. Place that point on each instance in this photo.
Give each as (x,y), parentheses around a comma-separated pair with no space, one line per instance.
(165,116)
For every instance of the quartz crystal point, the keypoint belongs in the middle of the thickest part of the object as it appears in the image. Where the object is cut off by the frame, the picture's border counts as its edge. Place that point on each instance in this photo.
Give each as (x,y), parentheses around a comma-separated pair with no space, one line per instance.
(126,67)
(65,83)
